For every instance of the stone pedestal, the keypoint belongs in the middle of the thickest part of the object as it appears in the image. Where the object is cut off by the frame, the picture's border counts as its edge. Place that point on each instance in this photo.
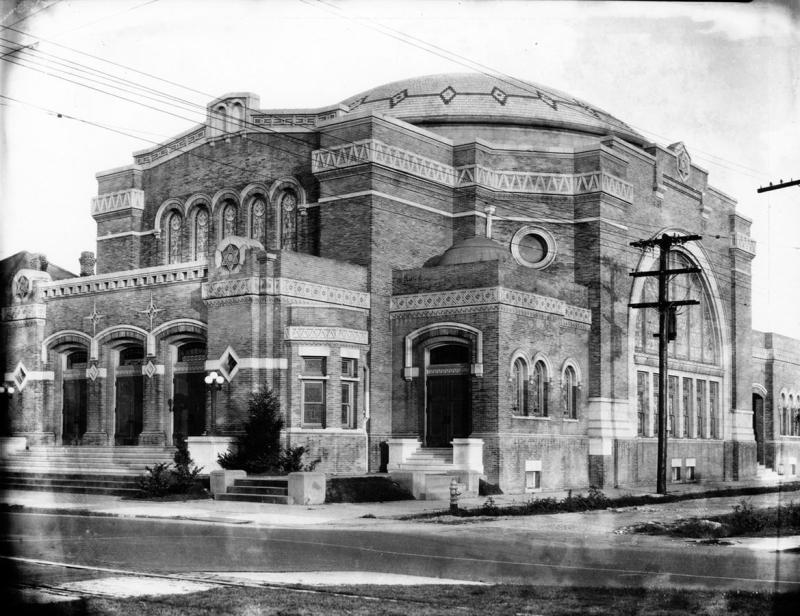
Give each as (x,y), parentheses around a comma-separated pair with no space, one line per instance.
(205,449)
(222,480)
(307,488)
(468,454)
(12,444)
(400,449)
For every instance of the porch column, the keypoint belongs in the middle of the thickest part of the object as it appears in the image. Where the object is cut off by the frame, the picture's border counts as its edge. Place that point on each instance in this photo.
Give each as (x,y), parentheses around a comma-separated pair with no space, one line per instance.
(153,404)
(96,425)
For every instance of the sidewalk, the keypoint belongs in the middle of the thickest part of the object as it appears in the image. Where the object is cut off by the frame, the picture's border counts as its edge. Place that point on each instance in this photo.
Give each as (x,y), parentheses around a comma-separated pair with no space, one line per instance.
(344,514)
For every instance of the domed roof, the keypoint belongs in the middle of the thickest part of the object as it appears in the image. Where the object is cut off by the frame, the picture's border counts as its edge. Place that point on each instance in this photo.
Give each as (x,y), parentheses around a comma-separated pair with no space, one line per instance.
(487,99)
(472,250)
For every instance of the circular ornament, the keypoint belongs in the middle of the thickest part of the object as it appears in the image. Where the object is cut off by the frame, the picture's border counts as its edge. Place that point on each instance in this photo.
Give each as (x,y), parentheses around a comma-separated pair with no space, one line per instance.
(533,247)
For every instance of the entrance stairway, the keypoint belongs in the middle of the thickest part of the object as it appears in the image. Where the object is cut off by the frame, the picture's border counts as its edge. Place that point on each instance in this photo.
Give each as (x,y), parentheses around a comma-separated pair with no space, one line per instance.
(263,490)
(85,470)
(766,474)
(428,472)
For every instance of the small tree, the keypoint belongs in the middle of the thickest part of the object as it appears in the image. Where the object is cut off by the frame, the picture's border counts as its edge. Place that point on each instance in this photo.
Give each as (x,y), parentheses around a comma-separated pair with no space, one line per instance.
(258,449)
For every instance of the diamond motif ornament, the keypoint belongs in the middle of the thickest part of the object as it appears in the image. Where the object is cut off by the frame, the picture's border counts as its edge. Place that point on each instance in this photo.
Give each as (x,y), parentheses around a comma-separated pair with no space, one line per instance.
(151,311)
(447,95)
(229,364)
(398,98)
(149,369)
(20,376)
(92,372)
(230,257)
(498,95)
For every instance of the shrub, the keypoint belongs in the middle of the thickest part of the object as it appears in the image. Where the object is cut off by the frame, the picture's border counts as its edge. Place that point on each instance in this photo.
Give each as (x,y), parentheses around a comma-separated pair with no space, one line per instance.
(746,519)
(157,481)
(258,449)
(162,480)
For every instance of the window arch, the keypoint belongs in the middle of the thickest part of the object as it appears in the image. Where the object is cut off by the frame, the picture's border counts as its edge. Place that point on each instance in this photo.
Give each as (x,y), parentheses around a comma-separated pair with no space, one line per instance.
(201,233)
(288,204)
(570,385)
(228,219)
(541,388)
(519,382)
(258,220)
(174,238)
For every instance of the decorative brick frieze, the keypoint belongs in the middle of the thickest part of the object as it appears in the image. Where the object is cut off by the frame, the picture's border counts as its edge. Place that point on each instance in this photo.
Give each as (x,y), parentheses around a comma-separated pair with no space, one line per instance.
(299,289)
(488,295)
(132,198)
(377,152)
(137,278)
(24,311)
(743,242)
(148,157)
(328,334)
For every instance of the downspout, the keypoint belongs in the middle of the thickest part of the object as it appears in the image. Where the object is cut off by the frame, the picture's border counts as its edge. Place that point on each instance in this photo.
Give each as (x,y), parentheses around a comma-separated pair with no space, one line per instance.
(366,418)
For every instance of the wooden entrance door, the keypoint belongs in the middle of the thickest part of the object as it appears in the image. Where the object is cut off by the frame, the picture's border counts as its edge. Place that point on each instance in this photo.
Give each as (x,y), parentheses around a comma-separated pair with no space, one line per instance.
(447,410)
(130,417)
(758,426)
(188,405)
(74,413)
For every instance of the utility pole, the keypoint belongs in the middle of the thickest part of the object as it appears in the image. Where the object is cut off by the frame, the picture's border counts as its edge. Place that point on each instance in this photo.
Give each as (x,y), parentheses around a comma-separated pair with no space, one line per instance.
(778,186)
(666,332)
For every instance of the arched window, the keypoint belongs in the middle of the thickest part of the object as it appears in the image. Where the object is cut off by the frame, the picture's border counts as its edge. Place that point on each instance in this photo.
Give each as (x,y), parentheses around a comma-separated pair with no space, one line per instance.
(570,393)
(541,386)
(696,336)
(229,220)
(288,206)
(519,380)
(174,237)
(201,234)
(258,221)
(784,413)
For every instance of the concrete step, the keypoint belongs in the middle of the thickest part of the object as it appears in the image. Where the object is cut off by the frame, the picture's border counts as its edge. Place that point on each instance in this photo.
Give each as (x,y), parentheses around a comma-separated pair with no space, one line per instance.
(257,491)
(425,466)
(267,482)
(252,498)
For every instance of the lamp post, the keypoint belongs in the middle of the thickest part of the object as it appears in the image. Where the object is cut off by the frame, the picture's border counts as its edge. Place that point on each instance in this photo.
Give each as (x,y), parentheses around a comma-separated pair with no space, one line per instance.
(214,383)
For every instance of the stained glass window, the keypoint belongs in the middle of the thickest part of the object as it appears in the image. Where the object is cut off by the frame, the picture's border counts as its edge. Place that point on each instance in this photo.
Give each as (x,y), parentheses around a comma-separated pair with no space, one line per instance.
(229,220)
(174,241)
(200,234)
(289,220)
(258,221)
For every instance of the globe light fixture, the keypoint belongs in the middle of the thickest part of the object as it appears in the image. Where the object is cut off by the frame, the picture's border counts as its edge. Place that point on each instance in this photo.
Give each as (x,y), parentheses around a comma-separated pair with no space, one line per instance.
(214,383)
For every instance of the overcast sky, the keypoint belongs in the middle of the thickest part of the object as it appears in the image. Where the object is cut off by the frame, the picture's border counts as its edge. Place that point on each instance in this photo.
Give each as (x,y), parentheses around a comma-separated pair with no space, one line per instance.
(724,79)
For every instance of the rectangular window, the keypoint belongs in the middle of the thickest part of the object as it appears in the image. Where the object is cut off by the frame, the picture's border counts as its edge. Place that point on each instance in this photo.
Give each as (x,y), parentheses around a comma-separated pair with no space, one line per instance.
(643,398)
(313,391)
(690,473)
(713,410)
(655,403)
(533,480)
(672,404)
(688,413)
(701,408)
(349,389)
(676,473)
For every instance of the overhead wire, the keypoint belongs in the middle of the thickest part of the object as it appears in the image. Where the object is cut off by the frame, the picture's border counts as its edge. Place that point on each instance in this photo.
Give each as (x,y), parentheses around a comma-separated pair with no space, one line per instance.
(261,129)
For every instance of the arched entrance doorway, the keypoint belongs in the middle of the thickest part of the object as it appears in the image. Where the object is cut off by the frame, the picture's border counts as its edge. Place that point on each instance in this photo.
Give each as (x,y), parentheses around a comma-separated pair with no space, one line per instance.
(758,425)
(74,411)
(447,393)
(188,398)
(129,392)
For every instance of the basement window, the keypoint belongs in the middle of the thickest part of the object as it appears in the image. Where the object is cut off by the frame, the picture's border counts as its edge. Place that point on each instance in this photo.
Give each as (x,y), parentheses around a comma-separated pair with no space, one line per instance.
(689,466)
(533,475)
(676,469)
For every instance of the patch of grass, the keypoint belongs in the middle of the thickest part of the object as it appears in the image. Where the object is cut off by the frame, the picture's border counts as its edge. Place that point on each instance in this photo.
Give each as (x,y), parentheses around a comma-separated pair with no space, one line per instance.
(436,600)
(744,520)
(596,499)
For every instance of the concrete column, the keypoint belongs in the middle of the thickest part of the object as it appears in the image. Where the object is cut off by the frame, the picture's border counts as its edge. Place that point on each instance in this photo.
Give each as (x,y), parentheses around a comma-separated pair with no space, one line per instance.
(153,404)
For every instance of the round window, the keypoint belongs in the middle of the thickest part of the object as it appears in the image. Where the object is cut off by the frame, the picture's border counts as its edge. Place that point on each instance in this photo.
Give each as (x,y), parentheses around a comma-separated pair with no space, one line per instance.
(533,247)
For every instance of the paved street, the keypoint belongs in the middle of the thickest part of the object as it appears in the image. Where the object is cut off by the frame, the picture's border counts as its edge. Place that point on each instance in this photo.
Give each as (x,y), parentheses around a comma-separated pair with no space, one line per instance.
(565,549)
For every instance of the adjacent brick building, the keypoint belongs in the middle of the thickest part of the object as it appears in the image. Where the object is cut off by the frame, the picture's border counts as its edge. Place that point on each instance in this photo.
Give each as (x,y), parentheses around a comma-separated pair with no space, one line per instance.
(432,275)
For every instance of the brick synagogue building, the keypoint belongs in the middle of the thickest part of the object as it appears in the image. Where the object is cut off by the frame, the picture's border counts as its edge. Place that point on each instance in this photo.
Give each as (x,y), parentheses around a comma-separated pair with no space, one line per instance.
(433,276)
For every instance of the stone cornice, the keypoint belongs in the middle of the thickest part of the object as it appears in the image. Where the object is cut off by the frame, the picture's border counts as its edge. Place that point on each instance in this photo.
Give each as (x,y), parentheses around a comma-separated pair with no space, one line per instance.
(487,296)
(193,271)
(374,151)
(285,286)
